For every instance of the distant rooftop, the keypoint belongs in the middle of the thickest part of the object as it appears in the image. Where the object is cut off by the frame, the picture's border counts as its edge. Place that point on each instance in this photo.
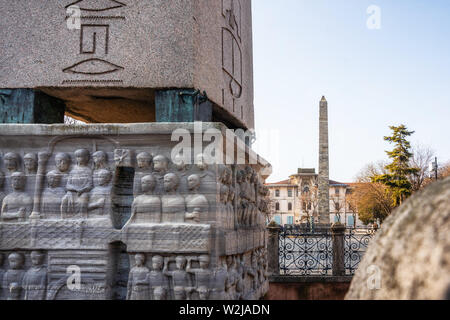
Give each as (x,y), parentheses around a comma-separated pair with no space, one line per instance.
(336,183)
(332,183)
(280,182)
(306,170)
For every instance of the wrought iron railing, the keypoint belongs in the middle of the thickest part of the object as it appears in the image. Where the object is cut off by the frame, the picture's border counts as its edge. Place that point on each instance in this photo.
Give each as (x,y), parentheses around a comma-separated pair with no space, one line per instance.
(307,252)
(356,242)
(303,252)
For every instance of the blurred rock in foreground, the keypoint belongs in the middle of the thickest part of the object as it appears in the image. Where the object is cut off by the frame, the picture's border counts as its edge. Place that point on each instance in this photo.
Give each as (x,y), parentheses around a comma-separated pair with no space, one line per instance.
(411,252)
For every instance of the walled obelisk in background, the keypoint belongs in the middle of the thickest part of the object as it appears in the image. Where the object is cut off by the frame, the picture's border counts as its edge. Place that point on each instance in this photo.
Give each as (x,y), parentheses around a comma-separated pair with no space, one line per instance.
(324,184)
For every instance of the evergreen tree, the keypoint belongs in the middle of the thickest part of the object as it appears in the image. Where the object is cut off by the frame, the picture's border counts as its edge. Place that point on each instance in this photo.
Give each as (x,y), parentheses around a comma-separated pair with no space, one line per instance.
(399,169)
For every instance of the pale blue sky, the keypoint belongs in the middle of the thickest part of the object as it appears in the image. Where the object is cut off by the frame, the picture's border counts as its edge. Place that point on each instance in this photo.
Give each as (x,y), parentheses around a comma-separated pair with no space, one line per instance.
(304,49)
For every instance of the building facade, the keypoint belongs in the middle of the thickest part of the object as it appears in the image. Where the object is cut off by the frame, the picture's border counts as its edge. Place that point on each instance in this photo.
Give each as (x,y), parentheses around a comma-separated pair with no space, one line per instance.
(295,200)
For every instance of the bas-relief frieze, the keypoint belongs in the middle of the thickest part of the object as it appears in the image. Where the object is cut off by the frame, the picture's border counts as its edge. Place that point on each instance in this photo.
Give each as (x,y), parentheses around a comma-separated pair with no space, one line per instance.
(190,277)
(62,198)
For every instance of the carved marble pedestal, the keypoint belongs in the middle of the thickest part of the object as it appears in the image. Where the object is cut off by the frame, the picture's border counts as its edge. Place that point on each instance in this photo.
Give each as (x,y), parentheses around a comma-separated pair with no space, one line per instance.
(89,220)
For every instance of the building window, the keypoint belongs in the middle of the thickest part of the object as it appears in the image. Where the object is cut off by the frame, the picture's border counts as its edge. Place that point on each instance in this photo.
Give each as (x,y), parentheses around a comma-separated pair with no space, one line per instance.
(277,206)
(290,220)
(290,193)
(290,206)
(277,219)
(277,193)
(351,221)
(336,191)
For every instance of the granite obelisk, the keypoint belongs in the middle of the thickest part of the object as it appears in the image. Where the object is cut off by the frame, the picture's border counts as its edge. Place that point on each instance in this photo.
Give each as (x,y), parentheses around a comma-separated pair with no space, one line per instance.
(324,184)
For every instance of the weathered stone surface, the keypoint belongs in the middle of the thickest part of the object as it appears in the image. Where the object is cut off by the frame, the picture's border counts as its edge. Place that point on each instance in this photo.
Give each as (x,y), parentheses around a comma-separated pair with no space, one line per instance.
(69,196)
(131,47)
(411,250)
(324,165)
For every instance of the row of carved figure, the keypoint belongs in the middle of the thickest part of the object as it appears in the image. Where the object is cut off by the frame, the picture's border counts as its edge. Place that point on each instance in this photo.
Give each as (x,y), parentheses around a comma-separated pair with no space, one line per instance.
(225,282)
(252,198)
(82,191)
(19,284)
(67,193)
(236,277)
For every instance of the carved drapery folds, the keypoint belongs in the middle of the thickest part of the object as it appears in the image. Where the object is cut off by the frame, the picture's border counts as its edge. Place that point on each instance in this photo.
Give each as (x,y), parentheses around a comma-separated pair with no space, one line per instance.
(191,230)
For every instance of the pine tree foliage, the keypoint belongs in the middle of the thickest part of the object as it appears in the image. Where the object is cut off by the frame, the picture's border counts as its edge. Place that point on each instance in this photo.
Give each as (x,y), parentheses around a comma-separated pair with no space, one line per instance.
(398,171)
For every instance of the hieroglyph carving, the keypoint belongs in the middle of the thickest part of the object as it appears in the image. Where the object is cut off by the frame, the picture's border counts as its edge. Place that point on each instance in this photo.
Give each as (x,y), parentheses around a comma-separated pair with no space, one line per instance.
(94,41)
(232,54)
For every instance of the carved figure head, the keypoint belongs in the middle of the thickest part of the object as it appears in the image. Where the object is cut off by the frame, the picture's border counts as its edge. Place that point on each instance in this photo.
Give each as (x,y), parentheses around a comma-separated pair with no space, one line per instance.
(144,160)
(240,176)
(148,183)
(37,258)
(180,262)
(179,162)
(171,182)
(160,163)
(30,162)
(102,177)
(230,261)
(204,261)
(16,260)
(201,162)
(248,173)
(100,160)
(231,194)
(228,175)
(139,259)
(254,259)
(254,177)
(11,160)
(18,181)
(54,179)
(62,161)
(157,262)
(193,182)
(82,157)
